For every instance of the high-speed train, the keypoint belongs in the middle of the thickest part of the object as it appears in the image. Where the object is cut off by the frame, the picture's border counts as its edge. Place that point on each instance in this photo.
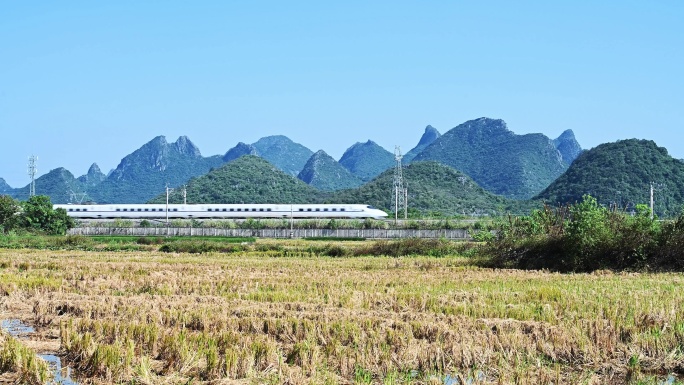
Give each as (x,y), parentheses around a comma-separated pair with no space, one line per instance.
(221,211)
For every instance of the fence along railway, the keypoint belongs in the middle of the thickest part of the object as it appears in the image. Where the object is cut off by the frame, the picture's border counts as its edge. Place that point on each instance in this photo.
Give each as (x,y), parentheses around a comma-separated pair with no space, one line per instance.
(453,234)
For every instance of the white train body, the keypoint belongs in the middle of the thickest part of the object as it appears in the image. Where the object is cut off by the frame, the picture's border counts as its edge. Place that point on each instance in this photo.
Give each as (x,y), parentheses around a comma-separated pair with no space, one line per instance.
(221,211)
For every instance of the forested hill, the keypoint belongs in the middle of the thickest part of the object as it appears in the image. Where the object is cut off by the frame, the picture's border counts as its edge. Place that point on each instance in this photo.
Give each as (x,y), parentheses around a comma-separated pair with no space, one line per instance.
(59,184)
(283,153)
(367,160)
(147,171)
(515,166)
(429,136)
(434,188)
(326,174)
(248,179)
(621,173)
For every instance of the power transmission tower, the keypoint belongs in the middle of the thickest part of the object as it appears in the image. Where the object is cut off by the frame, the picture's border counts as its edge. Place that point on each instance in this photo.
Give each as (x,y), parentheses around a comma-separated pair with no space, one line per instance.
(32,170)
(399,191)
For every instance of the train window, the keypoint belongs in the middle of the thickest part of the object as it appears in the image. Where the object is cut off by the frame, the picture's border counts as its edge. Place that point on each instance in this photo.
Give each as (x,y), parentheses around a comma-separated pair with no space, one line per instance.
(116,210)
(208,209)
(225,210)
(268,209)
(318,209)
(146,209)
(334,209)
(254,209)
(139,209)
(325,209)
(341,209)
(301,209)
(261,209)
(308,209)
(71,209)
(232,209)
(239,209)
(175,209)
(85,209)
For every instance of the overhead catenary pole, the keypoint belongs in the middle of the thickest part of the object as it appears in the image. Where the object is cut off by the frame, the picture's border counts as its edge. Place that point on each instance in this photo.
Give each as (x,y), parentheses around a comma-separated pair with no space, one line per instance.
(652,214)
(168,190)
(396,204)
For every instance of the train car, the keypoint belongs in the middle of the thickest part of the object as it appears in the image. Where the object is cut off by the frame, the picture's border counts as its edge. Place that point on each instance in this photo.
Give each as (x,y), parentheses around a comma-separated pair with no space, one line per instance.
(221,211)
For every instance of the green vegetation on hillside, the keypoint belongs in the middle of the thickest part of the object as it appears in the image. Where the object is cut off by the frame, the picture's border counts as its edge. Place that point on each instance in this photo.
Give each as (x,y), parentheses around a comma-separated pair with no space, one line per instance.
(146,172)
(283,153)
(619,174)
(59,184)
(93,177)
(430,135)
(367,160)
(248,179)
(326,174)
(433,188)
(568,147)
(515,166)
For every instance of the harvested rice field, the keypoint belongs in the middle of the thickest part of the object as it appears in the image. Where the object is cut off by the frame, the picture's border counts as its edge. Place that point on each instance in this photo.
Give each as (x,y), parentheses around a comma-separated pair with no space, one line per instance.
(148,317)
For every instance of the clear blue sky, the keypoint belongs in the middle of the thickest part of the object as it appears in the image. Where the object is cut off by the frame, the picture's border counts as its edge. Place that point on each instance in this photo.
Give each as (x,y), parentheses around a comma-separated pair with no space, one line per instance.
(92,81)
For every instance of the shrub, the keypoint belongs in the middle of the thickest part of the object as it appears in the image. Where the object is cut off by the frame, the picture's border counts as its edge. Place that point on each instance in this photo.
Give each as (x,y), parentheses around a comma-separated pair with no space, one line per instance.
(583,237)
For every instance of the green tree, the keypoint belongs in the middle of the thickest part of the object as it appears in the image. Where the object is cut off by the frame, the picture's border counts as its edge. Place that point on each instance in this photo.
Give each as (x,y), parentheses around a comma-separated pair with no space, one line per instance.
(588,232)
(9,210)
(39,215)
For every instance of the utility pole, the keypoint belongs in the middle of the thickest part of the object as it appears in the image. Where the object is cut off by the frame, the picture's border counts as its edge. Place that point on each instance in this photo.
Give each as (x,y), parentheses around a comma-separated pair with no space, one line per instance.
(652,215)
(32,170)
(168,191)
(396,205)
(405,202)
(185,194)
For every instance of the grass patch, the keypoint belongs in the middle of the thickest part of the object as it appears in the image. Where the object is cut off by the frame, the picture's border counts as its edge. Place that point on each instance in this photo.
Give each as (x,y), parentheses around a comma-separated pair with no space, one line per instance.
(335,239)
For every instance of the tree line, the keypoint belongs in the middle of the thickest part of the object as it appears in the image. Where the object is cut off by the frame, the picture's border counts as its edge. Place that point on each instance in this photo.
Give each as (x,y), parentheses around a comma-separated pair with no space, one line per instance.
(36,215)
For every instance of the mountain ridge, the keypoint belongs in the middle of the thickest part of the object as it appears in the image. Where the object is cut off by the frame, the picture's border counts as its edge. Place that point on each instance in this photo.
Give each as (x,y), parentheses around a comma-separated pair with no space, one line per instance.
(326,174)
(367,160)
(620,174)
(429,136)
(511,165)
